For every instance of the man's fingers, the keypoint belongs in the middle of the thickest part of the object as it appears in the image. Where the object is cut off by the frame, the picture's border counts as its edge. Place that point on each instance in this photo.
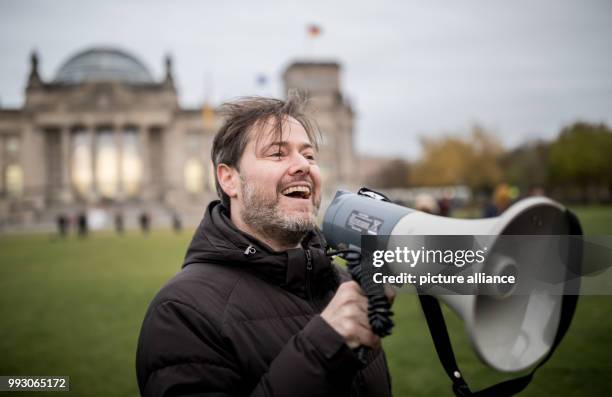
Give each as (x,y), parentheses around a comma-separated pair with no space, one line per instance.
(352,286)
(350,291)
(362,336)
(354,311)
(347,313)
(349,285)
(390,293)
(356,292)
(367,337)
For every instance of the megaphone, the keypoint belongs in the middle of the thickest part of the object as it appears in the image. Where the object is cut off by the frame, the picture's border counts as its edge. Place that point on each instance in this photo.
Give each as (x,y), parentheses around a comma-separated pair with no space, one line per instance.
(510,332)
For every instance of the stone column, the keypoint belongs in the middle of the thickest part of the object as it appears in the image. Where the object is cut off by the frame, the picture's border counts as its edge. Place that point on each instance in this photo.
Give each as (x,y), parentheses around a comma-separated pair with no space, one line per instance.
(66,186)
(32,158)
(145,180)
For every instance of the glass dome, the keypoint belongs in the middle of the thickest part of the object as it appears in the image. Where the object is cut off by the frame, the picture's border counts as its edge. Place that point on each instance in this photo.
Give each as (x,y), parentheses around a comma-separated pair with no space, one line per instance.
(103,64)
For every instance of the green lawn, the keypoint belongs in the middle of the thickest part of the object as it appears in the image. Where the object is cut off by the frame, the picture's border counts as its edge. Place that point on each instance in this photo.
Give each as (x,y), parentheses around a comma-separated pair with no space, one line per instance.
(74,308)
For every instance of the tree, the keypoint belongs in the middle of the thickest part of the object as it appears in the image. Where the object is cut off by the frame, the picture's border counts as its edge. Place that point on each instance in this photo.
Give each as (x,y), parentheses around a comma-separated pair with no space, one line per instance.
(526,166)
(395,174)
(581,158)
(452,160)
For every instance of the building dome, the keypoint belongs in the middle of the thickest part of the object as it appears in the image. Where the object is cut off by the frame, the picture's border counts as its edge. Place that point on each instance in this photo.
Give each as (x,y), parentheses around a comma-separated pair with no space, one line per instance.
(103,64)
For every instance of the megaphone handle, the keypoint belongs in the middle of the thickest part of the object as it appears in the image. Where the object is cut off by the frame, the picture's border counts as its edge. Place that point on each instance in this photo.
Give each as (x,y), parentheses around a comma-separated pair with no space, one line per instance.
(379,313)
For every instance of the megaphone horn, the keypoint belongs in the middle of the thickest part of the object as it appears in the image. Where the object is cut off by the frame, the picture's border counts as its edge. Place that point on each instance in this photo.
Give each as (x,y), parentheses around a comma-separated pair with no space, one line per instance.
(509,331)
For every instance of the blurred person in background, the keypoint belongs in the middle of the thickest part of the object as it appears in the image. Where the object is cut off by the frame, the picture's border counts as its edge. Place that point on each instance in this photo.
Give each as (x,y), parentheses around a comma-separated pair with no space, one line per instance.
(63,224)
(502,198)
(145,222)
(119,224)
(258,309)
(177,223)
(445,205)
(82,225)
(426,203)
(536,191)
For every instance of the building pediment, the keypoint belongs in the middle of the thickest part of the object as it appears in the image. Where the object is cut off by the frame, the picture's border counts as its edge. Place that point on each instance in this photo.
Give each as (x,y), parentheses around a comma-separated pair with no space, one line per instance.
(100,96)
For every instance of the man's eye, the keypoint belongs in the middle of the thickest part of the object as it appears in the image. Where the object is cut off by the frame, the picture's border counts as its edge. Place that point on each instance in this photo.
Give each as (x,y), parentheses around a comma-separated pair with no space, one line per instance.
(277,154)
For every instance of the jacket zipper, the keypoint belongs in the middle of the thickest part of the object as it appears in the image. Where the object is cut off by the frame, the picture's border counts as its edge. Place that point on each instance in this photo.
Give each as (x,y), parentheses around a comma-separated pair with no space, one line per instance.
(308,273)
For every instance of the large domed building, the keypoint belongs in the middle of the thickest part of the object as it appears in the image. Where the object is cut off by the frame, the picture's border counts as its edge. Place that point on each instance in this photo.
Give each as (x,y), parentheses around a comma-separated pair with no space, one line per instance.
(103,64)
(105,132)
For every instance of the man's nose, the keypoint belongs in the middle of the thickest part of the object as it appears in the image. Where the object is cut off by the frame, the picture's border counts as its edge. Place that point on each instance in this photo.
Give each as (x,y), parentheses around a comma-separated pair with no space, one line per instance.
(299,165)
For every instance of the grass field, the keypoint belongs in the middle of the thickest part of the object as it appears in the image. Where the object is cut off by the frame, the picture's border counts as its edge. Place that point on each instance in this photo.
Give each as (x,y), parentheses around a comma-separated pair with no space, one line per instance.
(75,307)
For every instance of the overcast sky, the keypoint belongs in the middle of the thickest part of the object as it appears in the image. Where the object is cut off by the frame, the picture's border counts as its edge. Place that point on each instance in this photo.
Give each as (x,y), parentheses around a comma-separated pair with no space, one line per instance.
(522,69)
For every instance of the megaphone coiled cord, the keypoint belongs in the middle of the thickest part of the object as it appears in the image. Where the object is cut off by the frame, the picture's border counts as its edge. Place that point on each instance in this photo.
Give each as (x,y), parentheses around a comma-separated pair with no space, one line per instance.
(379,307)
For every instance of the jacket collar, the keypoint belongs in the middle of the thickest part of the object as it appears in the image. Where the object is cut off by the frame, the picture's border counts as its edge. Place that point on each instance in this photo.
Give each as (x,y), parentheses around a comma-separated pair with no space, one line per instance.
(217,240)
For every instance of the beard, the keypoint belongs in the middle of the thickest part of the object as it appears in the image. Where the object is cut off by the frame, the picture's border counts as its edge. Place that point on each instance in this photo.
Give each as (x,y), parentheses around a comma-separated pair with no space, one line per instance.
(263,213)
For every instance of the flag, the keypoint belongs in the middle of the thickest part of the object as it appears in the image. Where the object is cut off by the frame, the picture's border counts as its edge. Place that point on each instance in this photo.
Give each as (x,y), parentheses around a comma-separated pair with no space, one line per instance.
(314,30)
(262,79)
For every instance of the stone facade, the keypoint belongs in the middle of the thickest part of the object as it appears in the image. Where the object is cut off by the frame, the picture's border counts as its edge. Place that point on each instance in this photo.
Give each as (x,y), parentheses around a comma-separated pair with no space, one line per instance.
(104,133)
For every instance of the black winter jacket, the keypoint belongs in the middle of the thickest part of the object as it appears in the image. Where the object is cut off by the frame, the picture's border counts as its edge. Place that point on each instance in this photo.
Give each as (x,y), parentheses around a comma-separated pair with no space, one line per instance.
(240,319)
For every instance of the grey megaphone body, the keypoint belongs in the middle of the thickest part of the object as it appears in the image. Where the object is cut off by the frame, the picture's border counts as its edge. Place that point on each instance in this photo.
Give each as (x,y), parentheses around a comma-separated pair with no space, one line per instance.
(510,332)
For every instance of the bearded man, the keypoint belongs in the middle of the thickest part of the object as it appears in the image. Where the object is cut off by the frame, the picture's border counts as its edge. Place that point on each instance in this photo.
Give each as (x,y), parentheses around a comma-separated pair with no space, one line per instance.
(258,309)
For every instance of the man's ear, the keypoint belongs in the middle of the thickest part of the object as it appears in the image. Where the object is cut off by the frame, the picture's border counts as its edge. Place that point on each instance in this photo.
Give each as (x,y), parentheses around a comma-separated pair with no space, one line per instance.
(229,180)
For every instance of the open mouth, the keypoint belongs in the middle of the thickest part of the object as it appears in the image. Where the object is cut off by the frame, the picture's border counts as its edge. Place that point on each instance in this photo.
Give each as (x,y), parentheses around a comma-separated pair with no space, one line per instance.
(300,192)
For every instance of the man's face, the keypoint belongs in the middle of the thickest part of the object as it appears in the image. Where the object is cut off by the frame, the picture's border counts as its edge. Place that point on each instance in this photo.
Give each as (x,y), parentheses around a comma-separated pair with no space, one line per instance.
(280,189)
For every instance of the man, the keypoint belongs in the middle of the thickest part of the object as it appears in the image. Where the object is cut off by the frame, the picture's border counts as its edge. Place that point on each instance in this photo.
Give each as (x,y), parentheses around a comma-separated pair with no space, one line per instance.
(258,310)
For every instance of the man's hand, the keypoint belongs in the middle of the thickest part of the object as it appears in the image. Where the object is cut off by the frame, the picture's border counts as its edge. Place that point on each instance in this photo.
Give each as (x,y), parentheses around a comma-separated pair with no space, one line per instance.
(347,314)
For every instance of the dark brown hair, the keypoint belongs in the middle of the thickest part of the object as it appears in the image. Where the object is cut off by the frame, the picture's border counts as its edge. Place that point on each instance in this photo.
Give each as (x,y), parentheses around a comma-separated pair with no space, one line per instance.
(241,118)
